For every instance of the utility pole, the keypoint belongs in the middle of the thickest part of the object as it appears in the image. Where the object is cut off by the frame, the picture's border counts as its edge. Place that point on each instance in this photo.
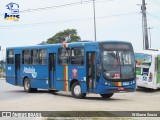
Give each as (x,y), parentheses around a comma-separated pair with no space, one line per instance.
(144,26)
(95,34)
(149,29)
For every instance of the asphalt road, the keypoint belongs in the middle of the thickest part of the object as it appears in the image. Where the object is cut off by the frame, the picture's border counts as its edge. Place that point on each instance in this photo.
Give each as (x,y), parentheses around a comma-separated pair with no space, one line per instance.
(13,98)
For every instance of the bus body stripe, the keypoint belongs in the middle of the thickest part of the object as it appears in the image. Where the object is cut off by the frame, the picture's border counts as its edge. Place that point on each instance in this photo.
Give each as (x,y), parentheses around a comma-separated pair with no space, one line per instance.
(119,83)
(116,84)
(65,45)
(65,78)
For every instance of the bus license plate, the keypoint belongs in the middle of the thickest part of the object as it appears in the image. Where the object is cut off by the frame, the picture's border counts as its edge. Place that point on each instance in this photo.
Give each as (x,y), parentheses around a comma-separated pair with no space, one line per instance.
(120,89)
(125,83)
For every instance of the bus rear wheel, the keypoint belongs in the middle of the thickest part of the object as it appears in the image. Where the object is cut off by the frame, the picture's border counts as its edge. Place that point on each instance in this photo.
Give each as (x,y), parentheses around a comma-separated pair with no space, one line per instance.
(76,91)
(107,95)
(27,86)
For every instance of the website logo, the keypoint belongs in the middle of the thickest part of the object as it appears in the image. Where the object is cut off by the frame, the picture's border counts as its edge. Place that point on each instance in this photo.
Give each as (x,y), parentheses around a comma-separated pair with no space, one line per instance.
(6,114)
(13,12)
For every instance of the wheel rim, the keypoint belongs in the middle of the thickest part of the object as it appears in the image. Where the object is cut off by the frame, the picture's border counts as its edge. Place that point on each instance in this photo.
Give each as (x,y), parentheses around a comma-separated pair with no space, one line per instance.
(26,84)
(77,90)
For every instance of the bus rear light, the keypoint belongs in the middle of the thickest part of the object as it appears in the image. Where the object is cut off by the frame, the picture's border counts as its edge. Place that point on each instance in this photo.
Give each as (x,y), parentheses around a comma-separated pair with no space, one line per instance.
(150,77)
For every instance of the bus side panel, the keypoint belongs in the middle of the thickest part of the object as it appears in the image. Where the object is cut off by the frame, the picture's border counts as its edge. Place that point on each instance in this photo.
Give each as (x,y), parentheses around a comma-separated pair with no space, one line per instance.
(59,84)
(10,74)
(158,72)
(65,74)
(35,83)
(37,74)
(76,72)
(63,78)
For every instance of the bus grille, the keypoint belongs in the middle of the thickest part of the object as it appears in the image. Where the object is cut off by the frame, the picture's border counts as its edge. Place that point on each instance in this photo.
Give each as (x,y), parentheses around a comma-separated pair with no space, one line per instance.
(121,80)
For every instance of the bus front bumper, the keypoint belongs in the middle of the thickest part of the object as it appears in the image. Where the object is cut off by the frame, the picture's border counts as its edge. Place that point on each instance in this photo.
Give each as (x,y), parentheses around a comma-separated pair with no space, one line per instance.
(109,89)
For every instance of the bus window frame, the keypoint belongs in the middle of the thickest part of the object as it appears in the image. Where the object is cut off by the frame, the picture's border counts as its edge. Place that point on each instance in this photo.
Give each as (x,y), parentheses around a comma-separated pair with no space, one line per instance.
(8,58)
(39,57)
(59,55)
(36,57)
(81,56)
(23,62)
(156,64)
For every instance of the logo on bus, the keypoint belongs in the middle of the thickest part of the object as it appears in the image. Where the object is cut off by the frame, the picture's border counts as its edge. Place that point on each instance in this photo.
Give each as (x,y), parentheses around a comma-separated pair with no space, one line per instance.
(30,70)
(74,73)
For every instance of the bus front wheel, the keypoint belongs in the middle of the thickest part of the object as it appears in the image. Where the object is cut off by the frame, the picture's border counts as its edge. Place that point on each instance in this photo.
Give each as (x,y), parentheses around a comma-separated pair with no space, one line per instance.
(107,95)
(27,86)
(76,91)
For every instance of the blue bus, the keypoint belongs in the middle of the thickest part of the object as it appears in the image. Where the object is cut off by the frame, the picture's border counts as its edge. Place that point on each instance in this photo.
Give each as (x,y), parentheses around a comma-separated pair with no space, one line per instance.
(103,67)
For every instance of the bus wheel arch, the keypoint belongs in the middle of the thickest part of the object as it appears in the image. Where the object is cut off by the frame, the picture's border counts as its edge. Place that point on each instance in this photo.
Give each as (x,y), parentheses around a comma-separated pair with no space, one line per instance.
(72,82)
(76,90)
(27,85)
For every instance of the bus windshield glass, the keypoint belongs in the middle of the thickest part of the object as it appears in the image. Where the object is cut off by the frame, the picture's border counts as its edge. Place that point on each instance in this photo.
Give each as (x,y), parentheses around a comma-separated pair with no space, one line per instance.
(118,63)
(143,60)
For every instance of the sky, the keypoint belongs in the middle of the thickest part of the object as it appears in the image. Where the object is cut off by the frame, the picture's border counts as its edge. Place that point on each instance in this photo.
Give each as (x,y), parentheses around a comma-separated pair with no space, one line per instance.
(115,20)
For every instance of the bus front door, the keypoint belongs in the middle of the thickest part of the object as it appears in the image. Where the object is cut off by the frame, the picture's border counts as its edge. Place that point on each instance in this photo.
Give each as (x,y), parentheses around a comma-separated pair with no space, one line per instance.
(52,65)
(90,71)
(158,75)
(17,69)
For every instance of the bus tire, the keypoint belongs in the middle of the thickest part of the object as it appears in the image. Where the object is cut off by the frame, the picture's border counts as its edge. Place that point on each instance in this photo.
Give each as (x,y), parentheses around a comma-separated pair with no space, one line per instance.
(33,89)
(27,86)
(107,95)
(76,91)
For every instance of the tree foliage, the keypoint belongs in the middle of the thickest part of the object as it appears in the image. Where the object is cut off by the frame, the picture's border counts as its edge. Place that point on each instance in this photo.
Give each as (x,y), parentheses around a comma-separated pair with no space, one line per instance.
(62,35)
(42,43)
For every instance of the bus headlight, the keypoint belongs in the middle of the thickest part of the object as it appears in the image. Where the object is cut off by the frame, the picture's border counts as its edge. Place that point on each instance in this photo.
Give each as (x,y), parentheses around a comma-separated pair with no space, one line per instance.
(134,82)
(106,83)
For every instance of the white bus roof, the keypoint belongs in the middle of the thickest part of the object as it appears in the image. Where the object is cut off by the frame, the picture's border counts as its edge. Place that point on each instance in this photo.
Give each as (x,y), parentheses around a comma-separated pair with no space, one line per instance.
(150,52)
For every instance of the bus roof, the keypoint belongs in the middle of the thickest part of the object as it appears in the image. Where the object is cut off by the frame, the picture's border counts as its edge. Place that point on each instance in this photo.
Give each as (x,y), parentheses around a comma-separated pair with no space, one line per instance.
(149,52)
(71,44)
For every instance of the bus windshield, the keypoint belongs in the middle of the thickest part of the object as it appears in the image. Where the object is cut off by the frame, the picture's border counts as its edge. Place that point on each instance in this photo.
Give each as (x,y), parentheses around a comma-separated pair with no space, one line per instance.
(143,59)
(118,64)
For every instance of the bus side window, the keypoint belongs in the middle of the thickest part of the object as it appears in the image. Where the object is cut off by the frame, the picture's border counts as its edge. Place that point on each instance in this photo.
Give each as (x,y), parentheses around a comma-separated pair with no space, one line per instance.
(26,57)
(63,56)
(157,62)
(10,57)
(34,57)
(42,56)
(77,57)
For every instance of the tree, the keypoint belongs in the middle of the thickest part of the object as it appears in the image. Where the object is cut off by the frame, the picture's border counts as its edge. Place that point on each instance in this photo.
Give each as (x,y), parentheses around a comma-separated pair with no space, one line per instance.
(42,43)
(62,35)
(2,69)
